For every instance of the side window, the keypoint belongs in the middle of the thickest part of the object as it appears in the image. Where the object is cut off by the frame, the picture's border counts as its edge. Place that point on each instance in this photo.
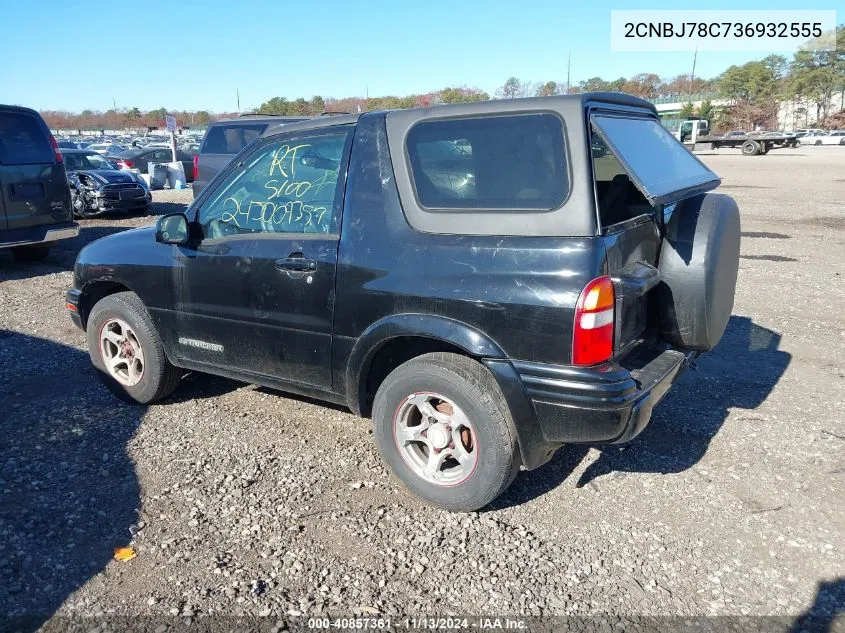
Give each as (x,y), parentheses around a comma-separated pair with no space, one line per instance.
(515,162)
(223,139)
(285,186)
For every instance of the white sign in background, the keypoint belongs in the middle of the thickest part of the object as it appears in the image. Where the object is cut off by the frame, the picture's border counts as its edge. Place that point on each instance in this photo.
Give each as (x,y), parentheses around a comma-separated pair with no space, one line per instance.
(711,30)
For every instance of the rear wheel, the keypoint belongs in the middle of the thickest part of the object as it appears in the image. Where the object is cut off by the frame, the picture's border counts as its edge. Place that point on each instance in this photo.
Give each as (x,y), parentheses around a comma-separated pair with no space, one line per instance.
(444,428)
(817,143)
(127,351)
(751,148)
(26,254)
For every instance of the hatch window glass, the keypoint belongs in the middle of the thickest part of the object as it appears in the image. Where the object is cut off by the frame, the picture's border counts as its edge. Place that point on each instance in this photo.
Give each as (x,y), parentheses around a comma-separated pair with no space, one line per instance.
(22,141)
(654,159)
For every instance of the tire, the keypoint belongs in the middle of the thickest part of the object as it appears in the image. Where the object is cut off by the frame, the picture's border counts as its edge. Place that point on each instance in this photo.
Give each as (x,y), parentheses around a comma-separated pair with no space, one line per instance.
(28,254)
(817,143)
(126,316)
(751,148)
(699,261)
(488,443)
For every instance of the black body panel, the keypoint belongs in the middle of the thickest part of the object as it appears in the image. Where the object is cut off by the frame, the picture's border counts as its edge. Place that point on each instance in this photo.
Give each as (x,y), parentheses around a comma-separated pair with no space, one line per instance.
(239,307)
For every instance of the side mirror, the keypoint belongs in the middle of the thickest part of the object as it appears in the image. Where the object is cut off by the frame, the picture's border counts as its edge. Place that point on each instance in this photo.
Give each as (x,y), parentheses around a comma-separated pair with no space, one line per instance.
(172,229)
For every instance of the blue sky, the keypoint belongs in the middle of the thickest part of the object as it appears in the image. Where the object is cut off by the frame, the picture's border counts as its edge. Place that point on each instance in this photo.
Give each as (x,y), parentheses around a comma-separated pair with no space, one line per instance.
(62,56)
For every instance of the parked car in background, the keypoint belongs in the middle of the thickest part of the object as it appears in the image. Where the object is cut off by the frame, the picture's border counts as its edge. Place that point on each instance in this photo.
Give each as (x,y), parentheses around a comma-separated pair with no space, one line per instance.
(140,157)
(813,138)
(99,186)
(834,137)
(736,133)
(224,139)
(804,131)
(105,149)
(35,206)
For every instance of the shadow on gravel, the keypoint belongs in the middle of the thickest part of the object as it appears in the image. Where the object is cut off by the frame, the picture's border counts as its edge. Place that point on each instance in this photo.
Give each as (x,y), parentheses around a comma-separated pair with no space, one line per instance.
(827,609)
(740,373)
(62,255)
(197,386)
(163,208)
(68,489)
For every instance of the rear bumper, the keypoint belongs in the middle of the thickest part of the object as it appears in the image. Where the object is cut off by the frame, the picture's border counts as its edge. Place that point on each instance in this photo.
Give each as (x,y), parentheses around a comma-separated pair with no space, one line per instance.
(609,403)
(45,234)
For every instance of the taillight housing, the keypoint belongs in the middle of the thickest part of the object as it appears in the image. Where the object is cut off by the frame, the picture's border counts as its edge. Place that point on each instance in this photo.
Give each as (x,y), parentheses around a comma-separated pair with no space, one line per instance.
(55,147)
(196,166)
(125,164)
(592,336)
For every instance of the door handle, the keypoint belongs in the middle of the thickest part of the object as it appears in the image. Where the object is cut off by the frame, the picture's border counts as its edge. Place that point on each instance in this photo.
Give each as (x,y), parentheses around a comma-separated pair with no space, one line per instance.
(296,264)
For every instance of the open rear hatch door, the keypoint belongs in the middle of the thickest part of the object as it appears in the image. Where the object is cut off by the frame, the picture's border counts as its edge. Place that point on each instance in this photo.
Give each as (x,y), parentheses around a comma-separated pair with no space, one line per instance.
(641,171)
(660,167)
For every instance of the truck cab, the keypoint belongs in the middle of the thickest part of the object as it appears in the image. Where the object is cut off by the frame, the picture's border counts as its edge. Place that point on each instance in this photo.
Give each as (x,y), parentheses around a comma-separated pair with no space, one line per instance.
(690,130)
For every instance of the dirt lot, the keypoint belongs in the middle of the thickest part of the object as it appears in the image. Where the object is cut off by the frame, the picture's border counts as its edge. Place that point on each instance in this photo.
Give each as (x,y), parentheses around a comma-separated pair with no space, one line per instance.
(239,500)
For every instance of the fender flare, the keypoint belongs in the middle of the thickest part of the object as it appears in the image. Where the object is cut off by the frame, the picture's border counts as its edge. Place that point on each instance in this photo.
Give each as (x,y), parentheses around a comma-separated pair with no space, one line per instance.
(534,449)
(89,284)
(394,326)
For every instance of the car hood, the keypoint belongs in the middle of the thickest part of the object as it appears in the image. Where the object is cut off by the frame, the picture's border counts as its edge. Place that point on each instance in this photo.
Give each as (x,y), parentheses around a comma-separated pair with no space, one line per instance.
(107,176)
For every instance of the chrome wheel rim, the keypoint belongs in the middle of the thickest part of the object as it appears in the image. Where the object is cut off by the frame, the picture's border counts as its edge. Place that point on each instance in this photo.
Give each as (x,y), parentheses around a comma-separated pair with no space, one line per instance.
(435,439)
(121,352)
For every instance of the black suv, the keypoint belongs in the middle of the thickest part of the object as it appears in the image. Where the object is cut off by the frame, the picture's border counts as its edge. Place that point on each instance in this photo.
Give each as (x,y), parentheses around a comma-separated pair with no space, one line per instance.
(35,207)
(224,139)
(475,277)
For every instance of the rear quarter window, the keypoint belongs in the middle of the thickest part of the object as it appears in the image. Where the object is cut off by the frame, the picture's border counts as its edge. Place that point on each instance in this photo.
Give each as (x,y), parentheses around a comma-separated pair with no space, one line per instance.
(231,139)
(508,162)
(23,141)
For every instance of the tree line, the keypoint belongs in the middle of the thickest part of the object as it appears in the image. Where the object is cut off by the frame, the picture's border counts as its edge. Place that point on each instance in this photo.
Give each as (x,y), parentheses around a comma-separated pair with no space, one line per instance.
(810,79)
(124,118)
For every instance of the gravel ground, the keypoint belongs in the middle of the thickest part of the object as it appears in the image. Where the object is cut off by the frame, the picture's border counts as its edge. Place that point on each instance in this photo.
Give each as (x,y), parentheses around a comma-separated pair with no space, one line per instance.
(239,500)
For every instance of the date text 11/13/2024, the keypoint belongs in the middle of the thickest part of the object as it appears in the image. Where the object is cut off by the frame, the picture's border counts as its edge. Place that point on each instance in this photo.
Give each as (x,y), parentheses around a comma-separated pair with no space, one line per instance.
(418,623)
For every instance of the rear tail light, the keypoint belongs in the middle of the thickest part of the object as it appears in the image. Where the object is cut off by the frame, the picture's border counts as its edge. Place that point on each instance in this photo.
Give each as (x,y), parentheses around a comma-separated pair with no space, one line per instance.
(196,166)
(55,147)
(125,164)
(592,337)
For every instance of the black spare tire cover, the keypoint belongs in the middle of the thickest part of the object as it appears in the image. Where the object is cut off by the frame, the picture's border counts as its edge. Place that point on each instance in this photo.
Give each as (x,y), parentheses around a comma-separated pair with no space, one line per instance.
(698,265)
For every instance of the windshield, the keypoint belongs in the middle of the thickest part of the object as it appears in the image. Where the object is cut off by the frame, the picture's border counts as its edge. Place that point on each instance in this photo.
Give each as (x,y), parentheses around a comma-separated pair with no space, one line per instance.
(76,162)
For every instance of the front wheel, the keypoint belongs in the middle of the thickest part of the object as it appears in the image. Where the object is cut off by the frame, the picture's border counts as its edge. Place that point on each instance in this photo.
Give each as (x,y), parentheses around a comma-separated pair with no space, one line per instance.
(444,428)
(127,351)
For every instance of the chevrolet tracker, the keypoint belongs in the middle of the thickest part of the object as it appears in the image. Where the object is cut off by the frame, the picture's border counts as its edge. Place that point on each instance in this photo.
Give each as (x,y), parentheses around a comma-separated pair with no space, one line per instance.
(486,281)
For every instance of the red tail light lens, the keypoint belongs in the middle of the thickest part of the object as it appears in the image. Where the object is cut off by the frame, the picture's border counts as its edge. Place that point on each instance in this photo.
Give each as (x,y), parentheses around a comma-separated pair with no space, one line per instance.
(196,166)
(55,147)
(125,164)
(592,337)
